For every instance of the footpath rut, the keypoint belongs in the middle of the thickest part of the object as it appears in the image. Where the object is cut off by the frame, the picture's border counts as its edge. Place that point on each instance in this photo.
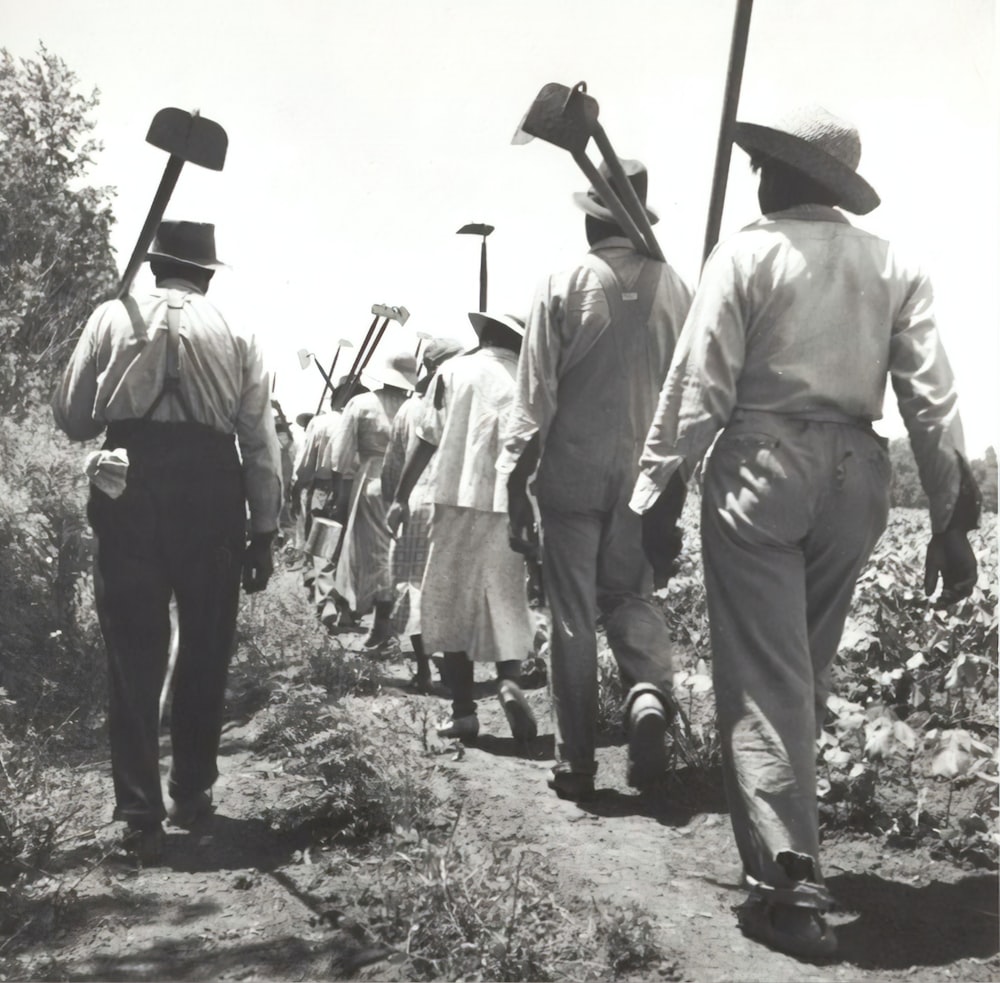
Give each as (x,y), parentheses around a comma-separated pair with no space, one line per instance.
(235,901)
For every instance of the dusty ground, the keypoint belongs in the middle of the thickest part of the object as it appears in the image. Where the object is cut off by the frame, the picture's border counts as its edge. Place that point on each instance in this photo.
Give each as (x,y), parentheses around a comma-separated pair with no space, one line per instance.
(234,901)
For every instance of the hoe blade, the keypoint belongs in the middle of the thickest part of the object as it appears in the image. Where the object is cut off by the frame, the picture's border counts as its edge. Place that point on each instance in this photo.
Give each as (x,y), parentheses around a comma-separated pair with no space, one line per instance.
(561,116)
(190,137)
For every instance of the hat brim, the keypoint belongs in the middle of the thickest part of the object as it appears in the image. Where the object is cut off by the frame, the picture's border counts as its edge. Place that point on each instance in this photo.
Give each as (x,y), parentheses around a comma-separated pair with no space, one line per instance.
(391,377)
(593,207)
(201,264)
(854,192)
(479,321)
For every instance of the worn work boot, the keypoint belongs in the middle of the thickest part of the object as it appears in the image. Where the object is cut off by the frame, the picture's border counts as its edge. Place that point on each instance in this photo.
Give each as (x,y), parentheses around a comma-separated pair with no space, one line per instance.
(464,729)
(186,812)
(575,786)
(646,725)
(795,930)
(515,705)
(144,843)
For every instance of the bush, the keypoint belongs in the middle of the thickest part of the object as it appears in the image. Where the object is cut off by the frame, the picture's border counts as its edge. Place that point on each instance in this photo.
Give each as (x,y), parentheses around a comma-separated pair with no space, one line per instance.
(51,656)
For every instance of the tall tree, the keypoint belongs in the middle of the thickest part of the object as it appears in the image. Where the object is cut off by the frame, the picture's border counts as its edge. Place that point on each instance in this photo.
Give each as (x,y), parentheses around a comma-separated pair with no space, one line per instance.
(56,260)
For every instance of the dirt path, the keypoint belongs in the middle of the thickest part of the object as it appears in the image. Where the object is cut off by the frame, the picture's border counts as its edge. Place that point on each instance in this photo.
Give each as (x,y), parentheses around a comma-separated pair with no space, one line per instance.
(234,901)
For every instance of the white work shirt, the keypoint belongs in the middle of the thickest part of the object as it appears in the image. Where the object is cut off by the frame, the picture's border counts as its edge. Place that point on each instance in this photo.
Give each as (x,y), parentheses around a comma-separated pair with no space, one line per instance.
(114,375)
(803,314)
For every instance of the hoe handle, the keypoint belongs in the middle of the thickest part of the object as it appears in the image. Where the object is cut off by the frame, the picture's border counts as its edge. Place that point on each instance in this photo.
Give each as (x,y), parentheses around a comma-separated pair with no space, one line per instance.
(167,183)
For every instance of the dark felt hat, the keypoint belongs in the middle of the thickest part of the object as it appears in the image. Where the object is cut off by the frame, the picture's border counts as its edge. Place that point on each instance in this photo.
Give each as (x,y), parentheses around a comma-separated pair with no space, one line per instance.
(186,242)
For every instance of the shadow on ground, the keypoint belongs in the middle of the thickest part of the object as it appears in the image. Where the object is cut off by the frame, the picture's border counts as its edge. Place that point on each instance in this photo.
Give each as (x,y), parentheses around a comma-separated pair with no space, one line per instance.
(900,925)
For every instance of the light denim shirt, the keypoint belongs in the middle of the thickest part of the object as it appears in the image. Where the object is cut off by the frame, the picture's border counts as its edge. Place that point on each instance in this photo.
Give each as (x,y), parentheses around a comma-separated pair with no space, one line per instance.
(115,375)
(803,314)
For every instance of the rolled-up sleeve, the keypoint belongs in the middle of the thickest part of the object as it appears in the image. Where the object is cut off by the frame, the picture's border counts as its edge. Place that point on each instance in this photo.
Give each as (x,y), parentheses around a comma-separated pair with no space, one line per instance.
(258,442)
(537,383)
(699,393)
(924,385)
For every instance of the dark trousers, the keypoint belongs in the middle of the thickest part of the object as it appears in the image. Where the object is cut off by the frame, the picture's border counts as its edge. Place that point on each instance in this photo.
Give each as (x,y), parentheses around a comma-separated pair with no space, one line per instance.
(179,529)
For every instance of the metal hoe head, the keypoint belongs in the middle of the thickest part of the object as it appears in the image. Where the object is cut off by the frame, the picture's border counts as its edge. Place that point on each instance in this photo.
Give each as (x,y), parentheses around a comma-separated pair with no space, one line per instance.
(190,137)
(400,314)
(561,116)
(305,357)
(475,229)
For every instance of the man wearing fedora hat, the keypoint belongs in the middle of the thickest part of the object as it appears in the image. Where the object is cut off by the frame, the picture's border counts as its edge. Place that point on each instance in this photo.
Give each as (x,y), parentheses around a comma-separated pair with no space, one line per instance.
(362,582)
(596,350)
(185,401)
(797,323)
(473,599)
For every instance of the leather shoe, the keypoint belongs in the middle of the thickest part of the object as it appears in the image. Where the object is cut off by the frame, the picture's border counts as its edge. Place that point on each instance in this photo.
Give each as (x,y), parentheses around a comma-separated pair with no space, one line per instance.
(144,844)
(523,726)
(801,932)
(465,729)
(572,785)
(647,730)
(186,812)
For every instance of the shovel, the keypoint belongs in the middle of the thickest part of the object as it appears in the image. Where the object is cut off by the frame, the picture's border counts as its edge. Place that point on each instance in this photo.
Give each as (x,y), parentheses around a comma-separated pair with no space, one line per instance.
(186,137)
(567,118)
(478,229)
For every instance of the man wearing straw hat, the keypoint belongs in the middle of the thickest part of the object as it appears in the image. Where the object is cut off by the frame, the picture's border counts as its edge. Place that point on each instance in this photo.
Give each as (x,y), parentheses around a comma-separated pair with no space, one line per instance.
(190,444)
(597,347)
(796,324)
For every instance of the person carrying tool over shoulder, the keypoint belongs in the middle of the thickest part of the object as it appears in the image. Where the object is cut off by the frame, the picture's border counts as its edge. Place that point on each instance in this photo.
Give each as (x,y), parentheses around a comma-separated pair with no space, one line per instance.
(598,344)
(792,366)
(172,385)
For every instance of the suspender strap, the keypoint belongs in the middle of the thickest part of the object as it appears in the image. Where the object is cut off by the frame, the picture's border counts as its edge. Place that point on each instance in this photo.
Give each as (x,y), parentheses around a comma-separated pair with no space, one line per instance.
(138,324)
(172,373)
(636,303)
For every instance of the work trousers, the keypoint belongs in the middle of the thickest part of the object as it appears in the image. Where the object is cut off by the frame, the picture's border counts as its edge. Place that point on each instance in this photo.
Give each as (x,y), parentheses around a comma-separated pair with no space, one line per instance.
(179,528)
(593,563)
(791,511)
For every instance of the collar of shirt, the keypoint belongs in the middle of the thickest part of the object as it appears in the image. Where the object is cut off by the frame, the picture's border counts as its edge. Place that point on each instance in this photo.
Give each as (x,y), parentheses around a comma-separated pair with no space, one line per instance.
(803,213)
(613,242)
(178,283)
(497,351)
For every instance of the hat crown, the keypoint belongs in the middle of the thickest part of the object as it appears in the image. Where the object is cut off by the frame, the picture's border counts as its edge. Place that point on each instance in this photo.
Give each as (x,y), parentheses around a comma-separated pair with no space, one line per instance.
(186,242)
(635,171)
(826,132)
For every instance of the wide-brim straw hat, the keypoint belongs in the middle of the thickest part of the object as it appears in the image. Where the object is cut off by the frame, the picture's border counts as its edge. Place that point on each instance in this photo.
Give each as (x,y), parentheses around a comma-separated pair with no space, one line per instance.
(439,350)
(820,145)
(592,203)
(397,369)
(480,319)
(192,243)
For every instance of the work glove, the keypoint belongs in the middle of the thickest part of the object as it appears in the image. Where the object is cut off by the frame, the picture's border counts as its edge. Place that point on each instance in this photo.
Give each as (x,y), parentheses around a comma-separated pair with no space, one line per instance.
(950,558)
(522,535)
(258,564)
(662,539)
(396,516)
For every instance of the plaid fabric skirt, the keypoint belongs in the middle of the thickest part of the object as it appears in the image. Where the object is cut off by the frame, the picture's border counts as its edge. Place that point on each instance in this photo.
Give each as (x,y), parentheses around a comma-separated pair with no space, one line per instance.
(407,558)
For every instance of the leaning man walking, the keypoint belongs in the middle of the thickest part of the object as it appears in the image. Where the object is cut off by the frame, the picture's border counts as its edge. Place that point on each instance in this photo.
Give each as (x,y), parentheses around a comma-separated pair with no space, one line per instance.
(171,384)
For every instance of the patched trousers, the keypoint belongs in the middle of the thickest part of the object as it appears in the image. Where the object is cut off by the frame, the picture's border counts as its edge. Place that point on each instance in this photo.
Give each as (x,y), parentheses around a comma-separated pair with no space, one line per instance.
(790,513)
(593,564)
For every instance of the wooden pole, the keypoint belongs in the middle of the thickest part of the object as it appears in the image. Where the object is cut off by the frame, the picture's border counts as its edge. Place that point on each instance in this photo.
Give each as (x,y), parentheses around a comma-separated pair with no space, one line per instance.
(724,151)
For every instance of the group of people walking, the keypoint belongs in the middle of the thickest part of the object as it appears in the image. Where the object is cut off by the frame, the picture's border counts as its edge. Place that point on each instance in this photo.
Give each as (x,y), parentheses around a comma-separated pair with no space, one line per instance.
(571,436)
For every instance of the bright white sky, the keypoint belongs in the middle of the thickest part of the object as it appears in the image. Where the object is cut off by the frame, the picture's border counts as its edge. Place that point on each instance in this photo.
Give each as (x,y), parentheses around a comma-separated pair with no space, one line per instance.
(364,134)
